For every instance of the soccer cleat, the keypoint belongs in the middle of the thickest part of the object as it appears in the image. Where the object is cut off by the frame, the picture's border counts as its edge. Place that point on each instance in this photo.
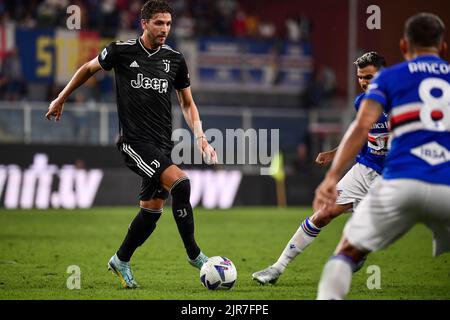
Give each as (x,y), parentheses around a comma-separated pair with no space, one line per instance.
(268,275)
(123,271)
(199,261)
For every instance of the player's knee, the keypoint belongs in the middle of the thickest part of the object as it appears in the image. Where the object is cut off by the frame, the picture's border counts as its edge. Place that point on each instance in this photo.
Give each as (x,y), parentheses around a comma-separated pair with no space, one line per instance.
(335,212)
(152,205)
(356,255)
(319,220)
(360,264)
(339,209)
(322,218)
(181,206)
(181,189)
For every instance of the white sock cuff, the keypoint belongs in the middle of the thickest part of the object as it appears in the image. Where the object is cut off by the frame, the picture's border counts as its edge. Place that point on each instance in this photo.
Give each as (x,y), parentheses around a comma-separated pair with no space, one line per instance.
(344,258)
(309,228)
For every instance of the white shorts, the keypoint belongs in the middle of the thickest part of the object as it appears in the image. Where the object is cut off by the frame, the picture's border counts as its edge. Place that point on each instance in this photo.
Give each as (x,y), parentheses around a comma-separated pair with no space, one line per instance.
(392,207)
(353,187)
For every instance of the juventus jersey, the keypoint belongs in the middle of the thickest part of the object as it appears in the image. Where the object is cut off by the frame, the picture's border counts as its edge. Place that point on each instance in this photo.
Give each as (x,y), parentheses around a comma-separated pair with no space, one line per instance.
(144,82)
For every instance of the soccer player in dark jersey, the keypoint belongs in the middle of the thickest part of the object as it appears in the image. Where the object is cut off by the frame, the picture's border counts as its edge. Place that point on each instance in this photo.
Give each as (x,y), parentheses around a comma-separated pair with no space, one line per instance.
(351,188)
(146,71)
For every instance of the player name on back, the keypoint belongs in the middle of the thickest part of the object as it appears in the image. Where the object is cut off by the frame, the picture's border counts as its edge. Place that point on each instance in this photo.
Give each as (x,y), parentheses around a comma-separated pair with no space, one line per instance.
(429,67)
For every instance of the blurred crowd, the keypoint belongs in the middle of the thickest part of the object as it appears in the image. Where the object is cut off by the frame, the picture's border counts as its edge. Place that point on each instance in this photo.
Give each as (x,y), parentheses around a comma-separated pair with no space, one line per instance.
(194,18)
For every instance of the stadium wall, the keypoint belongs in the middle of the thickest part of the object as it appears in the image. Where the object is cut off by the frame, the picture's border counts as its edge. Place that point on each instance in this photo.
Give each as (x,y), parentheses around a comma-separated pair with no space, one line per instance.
(329,18)
(70,177)
(393,16)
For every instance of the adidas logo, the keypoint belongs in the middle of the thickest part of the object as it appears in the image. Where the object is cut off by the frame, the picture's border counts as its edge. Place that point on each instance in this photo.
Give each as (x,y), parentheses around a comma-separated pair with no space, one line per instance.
(134,64)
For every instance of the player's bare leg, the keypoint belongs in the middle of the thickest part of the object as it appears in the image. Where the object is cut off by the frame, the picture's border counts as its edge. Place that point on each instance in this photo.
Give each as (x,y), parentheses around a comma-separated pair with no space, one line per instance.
(342,244)
(320,218)
(139,230)
(337,274)
(178,184)
(303,237)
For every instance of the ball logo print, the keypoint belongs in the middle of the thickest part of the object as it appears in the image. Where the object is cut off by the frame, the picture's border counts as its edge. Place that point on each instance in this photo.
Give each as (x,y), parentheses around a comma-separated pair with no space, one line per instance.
(218,273)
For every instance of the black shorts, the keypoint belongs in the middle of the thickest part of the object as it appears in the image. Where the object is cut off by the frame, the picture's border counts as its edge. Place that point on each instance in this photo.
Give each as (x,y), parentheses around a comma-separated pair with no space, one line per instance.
(149,162)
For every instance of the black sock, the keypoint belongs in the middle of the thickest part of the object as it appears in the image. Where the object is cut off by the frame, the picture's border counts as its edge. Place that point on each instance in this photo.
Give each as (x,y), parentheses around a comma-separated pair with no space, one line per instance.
(139,230)
(184,217)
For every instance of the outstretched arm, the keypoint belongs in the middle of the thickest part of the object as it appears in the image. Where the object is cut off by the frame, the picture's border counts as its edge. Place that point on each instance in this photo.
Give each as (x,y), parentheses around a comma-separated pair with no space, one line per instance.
(86,71)
(192,117)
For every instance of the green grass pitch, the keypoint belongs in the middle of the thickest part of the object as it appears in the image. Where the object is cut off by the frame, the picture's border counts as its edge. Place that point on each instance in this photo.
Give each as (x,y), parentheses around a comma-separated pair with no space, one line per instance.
(36,248)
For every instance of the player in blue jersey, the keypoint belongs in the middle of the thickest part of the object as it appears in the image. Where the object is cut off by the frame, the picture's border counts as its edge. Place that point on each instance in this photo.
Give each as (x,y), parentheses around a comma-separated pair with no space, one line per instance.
(415,184)
(353,186)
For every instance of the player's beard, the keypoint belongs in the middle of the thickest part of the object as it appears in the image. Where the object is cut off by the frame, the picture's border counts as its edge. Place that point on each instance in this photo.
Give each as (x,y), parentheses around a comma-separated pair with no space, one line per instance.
(160,40)
(156,41)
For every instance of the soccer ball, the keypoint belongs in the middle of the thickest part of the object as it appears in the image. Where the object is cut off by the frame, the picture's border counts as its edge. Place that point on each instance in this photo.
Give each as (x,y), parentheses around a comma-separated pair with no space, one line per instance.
(218,273)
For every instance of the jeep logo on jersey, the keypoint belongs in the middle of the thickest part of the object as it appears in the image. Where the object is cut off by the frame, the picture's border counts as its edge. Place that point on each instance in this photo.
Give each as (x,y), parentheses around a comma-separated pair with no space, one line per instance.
(160,85)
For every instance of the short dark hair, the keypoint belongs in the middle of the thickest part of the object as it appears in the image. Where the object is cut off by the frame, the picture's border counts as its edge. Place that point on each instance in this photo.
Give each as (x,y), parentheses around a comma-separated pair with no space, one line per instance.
(371,59)
(155,6)
(424,30)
